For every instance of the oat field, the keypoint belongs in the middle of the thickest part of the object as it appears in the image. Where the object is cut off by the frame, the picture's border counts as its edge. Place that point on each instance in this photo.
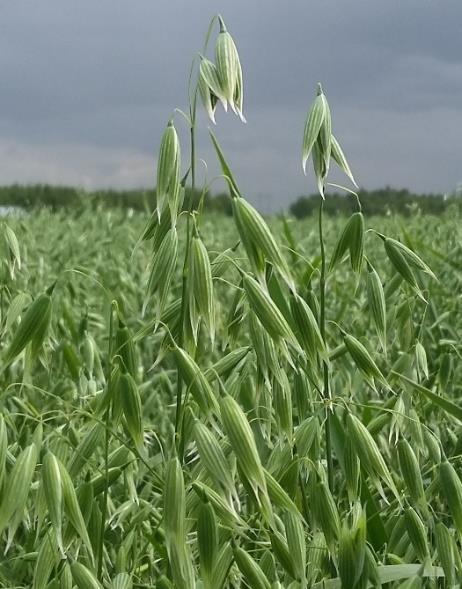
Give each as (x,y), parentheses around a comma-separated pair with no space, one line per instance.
(189,400)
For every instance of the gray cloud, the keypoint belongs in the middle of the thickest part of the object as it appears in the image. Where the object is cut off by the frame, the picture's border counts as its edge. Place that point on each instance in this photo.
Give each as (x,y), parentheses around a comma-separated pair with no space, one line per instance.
(87,88)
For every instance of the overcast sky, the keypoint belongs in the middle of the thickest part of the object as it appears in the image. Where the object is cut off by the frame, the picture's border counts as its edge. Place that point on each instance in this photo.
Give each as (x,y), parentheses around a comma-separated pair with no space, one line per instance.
(87,86)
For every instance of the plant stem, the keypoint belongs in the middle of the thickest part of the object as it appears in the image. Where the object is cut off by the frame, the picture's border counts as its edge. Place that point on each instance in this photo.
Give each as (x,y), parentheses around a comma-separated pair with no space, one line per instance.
(179,396)
(106,446)
(322,324)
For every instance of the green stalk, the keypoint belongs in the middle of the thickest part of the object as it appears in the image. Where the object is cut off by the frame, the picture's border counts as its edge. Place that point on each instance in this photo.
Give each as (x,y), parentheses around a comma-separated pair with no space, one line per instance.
(107,416)
(179,396)
(322,325)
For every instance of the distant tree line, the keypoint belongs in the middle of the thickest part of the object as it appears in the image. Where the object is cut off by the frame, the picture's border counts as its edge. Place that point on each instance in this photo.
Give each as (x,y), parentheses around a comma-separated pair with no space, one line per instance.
(383,201)
(57,197)
(375,202)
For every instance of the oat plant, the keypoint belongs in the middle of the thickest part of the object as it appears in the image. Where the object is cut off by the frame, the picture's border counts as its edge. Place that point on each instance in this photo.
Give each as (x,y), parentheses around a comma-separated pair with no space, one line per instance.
(271,404)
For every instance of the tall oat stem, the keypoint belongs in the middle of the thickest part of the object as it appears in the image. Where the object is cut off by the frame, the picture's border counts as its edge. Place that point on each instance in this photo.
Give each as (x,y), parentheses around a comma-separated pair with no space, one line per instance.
(325,368)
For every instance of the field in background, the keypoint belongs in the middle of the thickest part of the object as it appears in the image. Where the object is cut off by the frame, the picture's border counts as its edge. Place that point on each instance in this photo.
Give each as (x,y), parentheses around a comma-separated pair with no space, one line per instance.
(51,400)
(383,201)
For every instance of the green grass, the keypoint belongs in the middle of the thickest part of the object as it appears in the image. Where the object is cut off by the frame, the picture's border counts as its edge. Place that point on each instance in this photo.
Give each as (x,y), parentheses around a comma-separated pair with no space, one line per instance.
(90,257)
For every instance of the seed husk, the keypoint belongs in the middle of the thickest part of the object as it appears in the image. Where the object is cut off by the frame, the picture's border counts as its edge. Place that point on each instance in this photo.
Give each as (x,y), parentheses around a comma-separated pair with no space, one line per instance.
(451,488)
(369,455)
(339,157)
(313,126)
(228,65)
(207,539)
(202,283)
(417,533)
(364,361)
(83,577)
(377,304)
(250,570)
(168,166)
(445,549)
(266,310)
(256,235)
(32,329)
(17,485)
(129,395)
(51,480)
(412,477)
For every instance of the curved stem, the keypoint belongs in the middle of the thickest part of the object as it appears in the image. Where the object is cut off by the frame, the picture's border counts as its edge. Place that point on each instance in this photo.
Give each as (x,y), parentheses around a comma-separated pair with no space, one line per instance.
(322,326)
(179,396)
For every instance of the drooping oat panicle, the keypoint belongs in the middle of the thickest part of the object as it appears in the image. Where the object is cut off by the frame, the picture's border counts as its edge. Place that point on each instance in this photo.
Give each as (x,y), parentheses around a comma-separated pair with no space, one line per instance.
(83,577)
(226,364)
(326,512)
(52,485)
(17,485)
(226,514)
(250,570)
(417,534)
(364,361)
(13,250)
(47,560)
(125,350)
(451,490)
(307,329)
(356,244)
(306,435)
(168,166)
(433,446)
(314,122)
(350,239)
(213,458)
(369,454)
(163,268)
(202,283)
(411,257)
(347,558)
(229,69)
(421,360)
(257,237)
(209,100)
(209,76)
(223,565)
(316,555)
(174,500)
(266,310)
(445,549)
(281,552)
(85,449)
(72,508)
(401,265)
(296,544)
(339,157)
(377,304)
(411,473)
(195,381)
(243,444)
(352,470)
(32,329)
(207,540)
(130,400)
(279,496)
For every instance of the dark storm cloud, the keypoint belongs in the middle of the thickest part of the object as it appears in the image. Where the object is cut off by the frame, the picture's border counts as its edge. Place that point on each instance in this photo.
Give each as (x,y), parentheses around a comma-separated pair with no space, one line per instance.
(86,88)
